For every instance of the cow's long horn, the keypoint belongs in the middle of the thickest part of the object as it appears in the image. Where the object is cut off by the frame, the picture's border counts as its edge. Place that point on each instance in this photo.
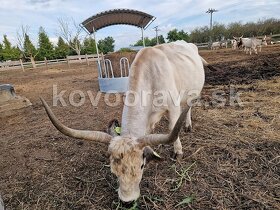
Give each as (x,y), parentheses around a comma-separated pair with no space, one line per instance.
(80,134)
(156,139)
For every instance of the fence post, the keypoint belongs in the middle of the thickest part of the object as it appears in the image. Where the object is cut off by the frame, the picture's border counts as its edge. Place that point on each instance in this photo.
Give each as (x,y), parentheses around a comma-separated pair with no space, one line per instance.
(21,64)
(68,62)
(87,60)
(46,62)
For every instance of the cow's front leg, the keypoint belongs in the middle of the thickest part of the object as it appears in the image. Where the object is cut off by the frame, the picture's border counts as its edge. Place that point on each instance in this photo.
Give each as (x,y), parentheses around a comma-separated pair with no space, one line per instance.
(173,117)
(189,121)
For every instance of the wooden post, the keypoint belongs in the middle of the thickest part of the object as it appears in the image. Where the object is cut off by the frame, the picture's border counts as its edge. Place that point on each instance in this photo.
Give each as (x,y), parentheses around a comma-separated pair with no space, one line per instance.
(68,62)
(21,64)
(87,60)
(46,62)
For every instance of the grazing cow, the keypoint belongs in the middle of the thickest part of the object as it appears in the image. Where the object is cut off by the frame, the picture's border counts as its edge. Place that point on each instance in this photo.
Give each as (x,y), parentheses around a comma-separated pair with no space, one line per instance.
(250,44)
(172,68)
(233,44)
(224,44)
(215,45)
(260,42)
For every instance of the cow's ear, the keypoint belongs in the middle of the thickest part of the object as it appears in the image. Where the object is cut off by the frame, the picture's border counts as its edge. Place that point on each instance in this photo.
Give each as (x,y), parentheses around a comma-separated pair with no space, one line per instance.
(114,128)
(150,154)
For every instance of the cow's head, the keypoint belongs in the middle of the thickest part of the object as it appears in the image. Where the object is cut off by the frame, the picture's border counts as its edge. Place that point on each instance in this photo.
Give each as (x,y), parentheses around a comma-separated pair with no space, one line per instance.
(238,40)
(264,40)
(128,155)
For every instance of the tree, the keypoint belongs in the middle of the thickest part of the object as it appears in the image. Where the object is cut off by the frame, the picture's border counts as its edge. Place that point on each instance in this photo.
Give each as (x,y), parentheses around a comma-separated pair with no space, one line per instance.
(219,32)
(1,53)
(106,45)
(7,49)
(140,42)
(175,35)
(8,52)
(200,35)
(62,49)
(29,48)
(153,41)
(46,49)
(150,42)
(161,39)
(73,37)
(25,45)
(89,46)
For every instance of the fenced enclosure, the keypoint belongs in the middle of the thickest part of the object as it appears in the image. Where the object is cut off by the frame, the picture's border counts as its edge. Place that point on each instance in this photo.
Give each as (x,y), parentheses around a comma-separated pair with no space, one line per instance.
(73,59)
(202,45)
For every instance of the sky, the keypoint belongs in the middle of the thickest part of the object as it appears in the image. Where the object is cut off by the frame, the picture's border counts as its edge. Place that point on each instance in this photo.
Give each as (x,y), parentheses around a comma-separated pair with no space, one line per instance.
(170,14)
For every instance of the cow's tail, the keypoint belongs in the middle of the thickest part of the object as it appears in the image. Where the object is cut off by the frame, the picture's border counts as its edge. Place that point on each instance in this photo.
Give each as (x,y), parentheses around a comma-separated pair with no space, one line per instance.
(205,63)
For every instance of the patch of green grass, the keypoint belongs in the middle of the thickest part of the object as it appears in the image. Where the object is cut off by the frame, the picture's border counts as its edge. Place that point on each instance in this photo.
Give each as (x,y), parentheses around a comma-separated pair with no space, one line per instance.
(183,174)
(186,201)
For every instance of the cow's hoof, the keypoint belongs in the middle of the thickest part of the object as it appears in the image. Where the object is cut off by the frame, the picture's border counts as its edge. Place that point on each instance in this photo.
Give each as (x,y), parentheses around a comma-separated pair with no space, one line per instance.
(177,156)
(188,129)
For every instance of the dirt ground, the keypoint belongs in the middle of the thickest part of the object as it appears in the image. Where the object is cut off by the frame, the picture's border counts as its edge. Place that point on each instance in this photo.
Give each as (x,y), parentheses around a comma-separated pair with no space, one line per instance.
(231,157)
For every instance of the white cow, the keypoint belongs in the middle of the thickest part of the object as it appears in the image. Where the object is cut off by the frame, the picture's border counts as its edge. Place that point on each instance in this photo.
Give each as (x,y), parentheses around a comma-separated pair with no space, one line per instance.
(250,44)
(169,69)
(260,42)
(233,44)
(224,44)
(215,45)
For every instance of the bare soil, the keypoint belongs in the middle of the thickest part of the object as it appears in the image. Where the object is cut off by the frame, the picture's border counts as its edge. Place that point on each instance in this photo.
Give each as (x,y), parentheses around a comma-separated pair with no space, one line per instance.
(231,157)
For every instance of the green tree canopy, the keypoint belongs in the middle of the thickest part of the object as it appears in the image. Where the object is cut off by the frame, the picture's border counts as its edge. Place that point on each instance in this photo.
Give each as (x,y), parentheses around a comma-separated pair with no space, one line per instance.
(29,49)
(62,49)
(106,45)
(140,42)
(1,52)
(89,46)
(175,35)
(150,42)
(46,48)
(250,29)
(8,52)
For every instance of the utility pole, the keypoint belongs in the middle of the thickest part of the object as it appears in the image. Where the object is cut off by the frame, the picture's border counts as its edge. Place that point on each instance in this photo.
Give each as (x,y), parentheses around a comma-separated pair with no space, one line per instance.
(211,11)
(156,29)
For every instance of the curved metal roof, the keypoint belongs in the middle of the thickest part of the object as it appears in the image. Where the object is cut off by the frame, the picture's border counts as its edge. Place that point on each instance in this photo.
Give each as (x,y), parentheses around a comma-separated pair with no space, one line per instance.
(117,16)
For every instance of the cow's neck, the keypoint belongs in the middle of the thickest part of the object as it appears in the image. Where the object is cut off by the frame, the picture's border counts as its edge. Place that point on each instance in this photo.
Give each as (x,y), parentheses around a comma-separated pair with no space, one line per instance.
(135,121)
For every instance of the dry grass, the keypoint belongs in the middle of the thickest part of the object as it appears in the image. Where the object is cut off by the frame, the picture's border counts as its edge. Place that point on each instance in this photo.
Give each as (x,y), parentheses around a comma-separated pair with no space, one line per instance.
(231,158)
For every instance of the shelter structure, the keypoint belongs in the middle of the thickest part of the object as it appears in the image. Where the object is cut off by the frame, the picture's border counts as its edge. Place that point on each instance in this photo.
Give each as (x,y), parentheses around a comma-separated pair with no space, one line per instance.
(107,81)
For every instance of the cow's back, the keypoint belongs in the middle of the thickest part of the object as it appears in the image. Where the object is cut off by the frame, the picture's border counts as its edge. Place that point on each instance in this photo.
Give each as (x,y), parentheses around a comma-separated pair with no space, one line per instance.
(185,64)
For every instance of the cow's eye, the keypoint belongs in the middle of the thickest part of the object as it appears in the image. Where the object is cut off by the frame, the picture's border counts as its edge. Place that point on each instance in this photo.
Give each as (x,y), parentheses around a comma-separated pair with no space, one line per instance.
(142,166)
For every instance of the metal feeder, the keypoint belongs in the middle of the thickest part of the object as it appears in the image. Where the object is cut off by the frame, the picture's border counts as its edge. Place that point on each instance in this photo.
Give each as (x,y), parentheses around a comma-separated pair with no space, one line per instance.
(106,78)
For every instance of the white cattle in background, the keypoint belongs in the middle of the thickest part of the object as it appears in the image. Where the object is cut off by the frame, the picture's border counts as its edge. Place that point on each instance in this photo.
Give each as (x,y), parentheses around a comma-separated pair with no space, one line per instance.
(233,44)
(250,44)
(260,42)
(215,45)
(224,44)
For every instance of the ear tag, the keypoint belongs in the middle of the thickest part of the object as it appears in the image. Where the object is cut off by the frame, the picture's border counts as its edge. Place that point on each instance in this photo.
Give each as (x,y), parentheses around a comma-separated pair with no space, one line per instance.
(118,130)
(156,154)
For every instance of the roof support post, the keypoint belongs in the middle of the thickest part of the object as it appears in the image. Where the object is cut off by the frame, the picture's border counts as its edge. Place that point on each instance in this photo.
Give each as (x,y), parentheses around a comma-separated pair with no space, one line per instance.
(143,39)
(98,57)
